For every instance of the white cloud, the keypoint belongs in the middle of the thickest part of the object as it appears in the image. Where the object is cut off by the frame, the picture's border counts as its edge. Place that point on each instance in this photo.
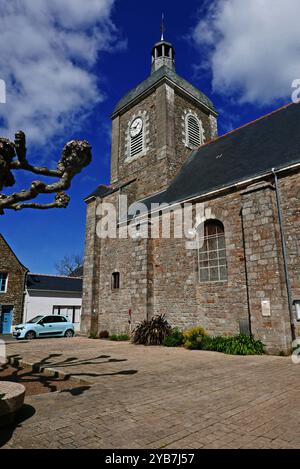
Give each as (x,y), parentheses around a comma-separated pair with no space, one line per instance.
(253,48)
(48,49)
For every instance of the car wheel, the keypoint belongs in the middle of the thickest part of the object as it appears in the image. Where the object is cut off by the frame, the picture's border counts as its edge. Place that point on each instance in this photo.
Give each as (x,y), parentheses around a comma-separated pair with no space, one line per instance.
(30,335)
(69,333)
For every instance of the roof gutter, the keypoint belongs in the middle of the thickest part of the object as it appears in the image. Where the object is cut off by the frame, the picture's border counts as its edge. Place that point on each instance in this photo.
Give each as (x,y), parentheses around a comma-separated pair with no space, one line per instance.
(53,291)
(113,191)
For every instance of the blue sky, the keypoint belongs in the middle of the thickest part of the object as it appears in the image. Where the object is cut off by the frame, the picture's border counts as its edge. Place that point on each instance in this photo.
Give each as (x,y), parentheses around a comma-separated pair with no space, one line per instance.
(73,60)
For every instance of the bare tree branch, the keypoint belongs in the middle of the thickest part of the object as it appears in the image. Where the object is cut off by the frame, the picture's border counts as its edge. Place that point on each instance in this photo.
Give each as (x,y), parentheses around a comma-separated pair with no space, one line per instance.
(61,201)
(75,156)
(69,264)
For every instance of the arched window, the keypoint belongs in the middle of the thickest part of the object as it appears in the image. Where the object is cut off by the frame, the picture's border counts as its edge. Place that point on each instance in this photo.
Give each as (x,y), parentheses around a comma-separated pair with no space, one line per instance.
(212,253)
(115,281)
(194,135)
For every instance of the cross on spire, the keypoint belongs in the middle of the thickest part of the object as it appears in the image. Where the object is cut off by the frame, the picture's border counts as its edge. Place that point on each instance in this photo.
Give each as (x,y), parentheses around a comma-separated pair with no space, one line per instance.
(162,27)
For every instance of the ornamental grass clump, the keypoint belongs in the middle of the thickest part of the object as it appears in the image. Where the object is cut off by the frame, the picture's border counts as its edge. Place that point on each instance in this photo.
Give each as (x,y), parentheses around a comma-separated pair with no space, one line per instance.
(194,337)
(152,332)
(236,345)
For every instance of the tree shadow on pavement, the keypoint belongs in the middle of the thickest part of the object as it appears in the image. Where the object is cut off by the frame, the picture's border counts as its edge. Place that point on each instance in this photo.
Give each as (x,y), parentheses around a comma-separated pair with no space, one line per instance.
(22,375)
(25,413)
(76,391)
(53,361)
(34,381)
(97,375)
(70,361)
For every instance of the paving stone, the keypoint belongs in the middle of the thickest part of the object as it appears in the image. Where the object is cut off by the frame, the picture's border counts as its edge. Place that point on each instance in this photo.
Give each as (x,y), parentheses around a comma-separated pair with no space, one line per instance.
(166,403)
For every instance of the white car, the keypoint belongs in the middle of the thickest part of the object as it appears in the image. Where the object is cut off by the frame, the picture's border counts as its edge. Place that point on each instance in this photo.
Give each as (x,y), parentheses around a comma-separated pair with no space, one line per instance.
(44,326)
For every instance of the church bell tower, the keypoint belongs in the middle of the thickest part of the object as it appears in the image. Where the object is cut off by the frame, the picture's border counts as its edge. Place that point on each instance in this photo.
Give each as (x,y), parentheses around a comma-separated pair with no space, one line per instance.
(157,125)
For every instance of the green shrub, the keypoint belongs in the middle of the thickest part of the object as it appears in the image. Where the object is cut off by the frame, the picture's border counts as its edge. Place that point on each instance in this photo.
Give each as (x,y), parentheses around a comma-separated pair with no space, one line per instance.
(193,338)
(236,345)
(214,344)
(175,339)
(93,335)
(119,337)
(103,335)
(152,332)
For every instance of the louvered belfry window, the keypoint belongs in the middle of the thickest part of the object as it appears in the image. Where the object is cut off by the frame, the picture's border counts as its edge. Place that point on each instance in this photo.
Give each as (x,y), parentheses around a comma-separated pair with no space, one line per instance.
(194,133)
(137,144)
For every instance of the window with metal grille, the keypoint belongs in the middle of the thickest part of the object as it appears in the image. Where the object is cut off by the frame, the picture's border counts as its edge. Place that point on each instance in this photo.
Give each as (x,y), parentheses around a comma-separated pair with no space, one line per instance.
(194,131)
(137,144)
(3,282)
(115,281)
(70,312)
(212,263)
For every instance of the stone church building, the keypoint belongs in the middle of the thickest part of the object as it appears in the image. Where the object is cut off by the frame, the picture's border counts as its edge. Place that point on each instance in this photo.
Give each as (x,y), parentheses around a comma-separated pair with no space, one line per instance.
(245,275)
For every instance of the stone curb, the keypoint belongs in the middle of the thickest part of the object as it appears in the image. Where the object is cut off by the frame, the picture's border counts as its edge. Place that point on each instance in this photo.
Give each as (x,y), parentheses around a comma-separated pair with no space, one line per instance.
(51,372)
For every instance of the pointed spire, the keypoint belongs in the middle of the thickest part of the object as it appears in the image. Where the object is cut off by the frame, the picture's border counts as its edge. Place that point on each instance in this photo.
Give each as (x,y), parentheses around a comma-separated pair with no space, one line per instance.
(162,27)
(163,54)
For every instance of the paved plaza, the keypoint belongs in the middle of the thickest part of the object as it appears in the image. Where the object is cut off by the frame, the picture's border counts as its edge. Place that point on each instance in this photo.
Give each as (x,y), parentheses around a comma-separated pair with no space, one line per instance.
(129,396)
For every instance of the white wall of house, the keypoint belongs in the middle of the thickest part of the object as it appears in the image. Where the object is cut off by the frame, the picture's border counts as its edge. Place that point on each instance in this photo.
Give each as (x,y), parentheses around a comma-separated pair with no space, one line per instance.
(44,302)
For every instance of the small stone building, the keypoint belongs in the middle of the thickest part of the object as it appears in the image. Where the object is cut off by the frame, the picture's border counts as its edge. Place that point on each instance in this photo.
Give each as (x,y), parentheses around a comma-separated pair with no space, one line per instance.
(244,275)
(12,287)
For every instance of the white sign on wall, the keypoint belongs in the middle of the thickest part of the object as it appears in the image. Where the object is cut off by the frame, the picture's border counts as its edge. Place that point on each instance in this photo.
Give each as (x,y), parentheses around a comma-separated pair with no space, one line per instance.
(297,303)
(3,359)
(266,308)
(2,92)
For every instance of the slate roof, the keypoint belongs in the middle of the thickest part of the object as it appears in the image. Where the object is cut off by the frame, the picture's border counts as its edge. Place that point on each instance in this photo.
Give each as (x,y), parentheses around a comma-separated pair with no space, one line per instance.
(102,191)
(53,283)
(272,141)
(155,77)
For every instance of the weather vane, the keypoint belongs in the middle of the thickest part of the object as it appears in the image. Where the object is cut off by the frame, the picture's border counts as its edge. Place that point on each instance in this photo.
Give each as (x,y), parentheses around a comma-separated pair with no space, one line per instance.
(162,26)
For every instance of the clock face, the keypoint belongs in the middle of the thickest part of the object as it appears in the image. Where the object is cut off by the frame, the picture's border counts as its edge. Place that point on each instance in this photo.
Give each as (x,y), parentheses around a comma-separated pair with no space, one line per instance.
(136,127)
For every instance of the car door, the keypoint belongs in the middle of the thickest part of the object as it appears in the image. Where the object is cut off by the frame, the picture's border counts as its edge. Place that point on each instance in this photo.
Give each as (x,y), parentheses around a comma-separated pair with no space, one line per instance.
(60,324)
(49,327)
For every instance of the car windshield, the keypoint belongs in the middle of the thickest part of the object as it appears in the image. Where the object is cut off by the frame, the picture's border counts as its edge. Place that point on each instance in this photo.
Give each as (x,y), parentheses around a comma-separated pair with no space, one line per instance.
(36,319)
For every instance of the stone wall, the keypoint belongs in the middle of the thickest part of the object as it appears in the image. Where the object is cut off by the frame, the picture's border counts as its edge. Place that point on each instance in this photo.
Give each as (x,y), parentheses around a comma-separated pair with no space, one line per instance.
(290,203)
(16,281)
(150,168)
(151,281)
(218,306)
(161,276)
(268,297)
(184,105)
(90,292)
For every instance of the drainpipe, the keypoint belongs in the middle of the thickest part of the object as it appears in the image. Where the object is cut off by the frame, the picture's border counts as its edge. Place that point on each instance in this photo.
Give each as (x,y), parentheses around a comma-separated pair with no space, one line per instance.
(284,253)
(246,273)
(23,297)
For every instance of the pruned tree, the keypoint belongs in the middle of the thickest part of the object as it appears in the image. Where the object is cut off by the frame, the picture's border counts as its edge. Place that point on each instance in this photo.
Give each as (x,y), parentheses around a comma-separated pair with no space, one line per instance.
(75,156)
(69,265)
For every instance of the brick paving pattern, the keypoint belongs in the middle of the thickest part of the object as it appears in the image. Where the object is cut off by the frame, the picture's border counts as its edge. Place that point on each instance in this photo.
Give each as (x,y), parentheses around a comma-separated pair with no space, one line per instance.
(154,397)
